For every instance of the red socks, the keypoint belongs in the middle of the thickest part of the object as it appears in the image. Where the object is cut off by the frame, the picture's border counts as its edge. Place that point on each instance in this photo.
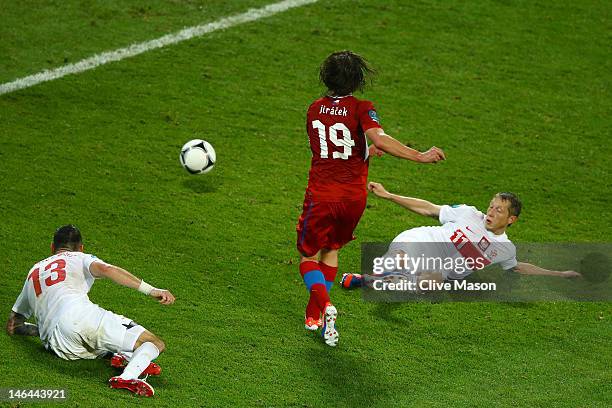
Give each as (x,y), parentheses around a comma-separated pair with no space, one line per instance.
(319,278)
(315,283)
(330,273)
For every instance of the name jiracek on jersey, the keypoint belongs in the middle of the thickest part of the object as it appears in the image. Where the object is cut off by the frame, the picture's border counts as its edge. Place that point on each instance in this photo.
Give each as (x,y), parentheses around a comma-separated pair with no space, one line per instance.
(335,111)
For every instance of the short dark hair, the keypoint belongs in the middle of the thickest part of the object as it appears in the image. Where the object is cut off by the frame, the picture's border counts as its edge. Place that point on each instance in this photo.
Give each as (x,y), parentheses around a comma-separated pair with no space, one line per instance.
(515,204)
(344,72)
(67,237)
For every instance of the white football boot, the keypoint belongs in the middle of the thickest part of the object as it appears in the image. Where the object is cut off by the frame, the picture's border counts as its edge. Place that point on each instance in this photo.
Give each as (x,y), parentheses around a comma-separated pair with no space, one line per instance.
(330,334)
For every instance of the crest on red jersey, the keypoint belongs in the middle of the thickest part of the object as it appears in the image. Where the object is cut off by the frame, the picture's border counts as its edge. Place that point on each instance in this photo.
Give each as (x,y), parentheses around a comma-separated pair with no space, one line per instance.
(373,115)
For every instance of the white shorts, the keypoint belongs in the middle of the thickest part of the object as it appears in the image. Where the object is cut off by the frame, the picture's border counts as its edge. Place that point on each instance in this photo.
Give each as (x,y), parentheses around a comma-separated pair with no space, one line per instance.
(426,253)
(410,243)
(417,235)
(90,332)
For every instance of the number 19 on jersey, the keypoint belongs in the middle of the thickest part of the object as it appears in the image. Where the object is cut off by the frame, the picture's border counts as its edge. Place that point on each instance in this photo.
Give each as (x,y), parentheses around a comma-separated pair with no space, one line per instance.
(345,141)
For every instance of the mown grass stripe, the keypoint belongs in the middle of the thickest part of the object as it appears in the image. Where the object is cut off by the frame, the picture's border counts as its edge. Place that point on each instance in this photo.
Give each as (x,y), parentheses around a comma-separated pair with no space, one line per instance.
(139,48)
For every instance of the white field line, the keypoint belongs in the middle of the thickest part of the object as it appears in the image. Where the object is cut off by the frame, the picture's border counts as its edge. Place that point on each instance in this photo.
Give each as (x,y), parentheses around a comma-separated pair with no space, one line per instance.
(136,49)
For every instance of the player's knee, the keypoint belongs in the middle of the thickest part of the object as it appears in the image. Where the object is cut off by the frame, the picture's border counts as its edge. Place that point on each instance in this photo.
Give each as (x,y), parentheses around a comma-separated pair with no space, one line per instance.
(148,337)
(161,346)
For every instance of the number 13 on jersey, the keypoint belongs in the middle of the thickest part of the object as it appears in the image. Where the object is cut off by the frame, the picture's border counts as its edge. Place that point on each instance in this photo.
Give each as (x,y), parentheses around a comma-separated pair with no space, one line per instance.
(346,142)
(57,267)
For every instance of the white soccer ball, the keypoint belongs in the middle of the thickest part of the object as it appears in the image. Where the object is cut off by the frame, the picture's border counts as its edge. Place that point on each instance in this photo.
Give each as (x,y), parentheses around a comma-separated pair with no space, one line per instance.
(198,156)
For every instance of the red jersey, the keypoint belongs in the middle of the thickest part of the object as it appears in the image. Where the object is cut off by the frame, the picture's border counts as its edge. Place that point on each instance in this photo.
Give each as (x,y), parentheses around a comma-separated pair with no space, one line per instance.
(336,129)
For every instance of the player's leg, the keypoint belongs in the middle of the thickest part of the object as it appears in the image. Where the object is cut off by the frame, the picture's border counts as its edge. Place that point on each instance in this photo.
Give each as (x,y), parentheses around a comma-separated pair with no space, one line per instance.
(120,360)
(312,316)
(346,216)
(319,302)
(329,266)
(136,345)
(328,261)
(312,231)
(146,348)
(314,279)
(398,247)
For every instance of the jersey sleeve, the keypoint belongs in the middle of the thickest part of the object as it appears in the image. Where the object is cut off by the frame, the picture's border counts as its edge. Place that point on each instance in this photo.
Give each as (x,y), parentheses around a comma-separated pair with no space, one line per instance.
(451,213)
(510,261)
(88,260)
(22,305)
(368,118)
(509,264)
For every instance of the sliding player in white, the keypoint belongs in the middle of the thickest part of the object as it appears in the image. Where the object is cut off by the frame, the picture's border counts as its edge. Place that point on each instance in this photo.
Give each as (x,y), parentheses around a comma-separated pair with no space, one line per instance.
(465,234)
(73,327)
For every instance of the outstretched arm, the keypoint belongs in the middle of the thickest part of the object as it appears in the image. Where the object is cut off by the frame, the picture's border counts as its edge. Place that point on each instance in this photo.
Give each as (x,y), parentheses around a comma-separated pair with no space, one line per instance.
(16,324)
(124,278)
(388,144)
(525,268)
(416,205)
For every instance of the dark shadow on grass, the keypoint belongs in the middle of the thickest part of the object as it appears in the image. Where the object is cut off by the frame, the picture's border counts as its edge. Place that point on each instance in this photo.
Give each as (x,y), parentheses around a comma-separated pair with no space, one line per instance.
(594,285)
(347,380)
(384,311)
(201,184)
(596,268)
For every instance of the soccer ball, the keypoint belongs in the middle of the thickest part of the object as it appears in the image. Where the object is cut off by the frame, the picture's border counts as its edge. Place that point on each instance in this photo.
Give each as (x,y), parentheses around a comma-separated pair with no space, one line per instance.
(198,156)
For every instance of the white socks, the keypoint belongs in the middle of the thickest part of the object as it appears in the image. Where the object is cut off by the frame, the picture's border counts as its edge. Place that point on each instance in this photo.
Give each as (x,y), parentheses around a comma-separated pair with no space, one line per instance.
(140,360)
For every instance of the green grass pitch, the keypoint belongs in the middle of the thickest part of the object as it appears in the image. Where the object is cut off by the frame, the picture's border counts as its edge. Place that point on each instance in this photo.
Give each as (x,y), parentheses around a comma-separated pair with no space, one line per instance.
(516,92)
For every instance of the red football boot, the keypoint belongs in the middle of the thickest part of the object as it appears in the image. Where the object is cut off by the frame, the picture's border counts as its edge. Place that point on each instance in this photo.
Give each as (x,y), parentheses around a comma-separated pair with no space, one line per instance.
(312,324)
(119,361)
(138,387)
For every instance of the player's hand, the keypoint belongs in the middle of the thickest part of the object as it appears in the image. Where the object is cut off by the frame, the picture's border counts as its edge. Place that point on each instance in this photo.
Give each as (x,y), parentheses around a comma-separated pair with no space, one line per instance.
(433,155)
(375,151)
(164,296)
(571,274)
(378,189)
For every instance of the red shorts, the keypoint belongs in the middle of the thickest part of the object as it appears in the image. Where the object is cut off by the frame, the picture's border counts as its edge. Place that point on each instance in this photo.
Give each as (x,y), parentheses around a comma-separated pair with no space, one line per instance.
(327,224)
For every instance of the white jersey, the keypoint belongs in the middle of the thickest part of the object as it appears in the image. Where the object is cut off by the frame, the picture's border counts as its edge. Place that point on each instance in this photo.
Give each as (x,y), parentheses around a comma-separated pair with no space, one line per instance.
(463,234)
(56,286)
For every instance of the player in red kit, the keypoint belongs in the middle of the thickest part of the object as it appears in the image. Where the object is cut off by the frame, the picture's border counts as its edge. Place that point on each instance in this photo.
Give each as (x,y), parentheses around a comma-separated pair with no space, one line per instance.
(338,127)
